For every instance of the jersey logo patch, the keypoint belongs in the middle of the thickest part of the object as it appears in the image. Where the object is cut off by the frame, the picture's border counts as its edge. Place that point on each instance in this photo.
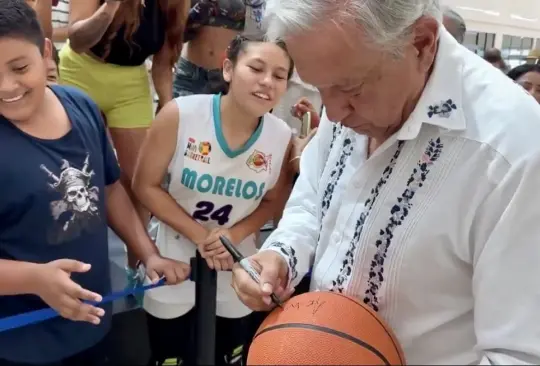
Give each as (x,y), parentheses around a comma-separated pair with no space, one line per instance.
(259,161)
(205,148)
(198,152)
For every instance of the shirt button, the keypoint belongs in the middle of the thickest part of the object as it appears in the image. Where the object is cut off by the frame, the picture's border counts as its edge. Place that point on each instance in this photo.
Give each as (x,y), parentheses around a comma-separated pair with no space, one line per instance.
(336,237)
(358,185)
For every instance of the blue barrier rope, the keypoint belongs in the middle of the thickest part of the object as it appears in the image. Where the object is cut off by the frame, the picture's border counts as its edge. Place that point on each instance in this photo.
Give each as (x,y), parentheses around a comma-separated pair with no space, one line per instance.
(38,316)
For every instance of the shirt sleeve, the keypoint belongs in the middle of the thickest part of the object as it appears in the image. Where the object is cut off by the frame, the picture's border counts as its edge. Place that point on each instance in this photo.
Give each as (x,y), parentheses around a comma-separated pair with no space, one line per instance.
(111,168)
(297,234)
(110,162)
(506,269)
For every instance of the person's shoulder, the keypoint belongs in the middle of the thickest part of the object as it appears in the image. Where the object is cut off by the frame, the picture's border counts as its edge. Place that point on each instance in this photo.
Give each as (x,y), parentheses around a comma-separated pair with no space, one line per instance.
(74,96)
(500,113)
(194,100)
(79,104)
(277,124)
(194,105)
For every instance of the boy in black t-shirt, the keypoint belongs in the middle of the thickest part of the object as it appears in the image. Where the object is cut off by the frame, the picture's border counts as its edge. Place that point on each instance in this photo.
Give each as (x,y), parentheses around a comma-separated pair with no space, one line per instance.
(59,192)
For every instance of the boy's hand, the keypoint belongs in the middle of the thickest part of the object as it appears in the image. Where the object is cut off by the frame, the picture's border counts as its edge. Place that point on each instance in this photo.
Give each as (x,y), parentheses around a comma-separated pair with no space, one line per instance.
(56,288)
(174,272)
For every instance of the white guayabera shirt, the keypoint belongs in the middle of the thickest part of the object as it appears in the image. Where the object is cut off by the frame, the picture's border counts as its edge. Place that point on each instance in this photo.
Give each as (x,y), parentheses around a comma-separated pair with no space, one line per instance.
(439,229)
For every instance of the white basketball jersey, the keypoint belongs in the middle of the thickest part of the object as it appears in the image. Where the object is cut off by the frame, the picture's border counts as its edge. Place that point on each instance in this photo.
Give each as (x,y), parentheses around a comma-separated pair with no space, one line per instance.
(218,187)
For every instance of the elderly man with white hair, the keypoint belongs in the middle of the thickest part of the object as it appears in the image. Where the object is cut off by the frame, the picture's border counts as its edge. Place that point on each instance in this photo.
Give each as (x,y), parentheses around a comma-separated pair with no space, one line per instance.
(419,195)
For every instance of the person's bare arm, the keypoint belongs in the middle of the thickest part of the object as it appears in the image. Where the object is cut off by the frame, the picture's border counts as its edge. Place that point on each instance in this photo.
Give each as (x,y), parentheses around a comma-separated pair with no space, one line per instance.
(162,75)
(125,222)
(163,62)
(155,156)
(60,34)
(88,22)
(43,10)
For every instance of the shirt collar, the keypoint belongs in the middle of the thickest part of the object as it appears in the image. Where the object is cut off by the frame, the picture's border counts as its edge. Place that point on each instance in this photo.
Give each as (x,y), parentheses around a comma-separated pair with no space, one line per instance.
(441,101)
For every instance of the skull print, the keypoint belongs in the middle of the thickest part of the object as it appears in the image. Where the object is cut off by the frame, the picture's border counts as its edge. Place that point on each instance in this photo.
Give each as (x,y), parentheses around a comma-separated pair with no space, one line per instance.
(78,197)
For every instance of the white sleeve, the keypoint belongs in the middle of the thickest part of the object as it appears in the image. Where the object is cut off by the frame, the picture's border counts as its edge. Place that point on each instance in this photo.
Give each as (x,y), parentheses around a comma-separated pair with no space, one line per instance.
(506,269)
(298,231)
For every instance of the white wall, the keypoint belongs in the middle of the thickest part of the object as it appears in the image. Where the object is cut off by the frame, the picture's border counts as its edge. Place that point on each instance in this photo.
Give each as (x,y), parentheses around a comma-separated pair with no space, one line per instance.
(511,17)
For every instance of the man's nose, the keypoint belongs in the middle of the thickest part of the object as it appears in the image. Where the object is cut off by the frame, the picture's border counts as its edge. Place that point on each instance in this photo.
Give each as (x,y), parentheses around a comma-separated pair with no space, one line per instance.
(337,107)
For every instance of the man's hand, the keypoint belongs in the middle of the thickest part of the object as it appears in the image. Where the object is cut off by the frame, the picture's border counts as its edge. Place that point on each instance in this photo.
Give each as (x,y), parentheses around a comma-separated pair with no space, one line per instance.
(273,271)
(174,272)
(214,252)
(56,288)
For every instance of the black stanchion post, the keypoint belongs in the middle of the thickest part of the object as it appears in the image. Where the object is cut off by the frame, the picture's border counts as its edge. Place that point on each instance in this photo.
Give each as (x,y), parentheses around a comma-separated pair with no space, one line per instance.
(205,310)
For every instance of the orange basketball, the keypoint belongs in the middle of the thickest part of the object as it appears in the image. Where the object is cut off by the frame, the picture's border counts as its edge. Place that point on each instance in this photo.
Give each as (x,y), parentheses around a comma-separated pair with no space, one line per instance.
(324,328)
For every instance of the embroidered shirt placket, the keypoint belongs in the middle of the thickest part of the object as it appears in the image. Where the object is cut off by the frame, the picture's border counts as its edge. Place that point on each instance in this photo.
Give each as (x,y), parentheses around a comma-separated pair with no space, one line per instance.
(398,213)
(339,284)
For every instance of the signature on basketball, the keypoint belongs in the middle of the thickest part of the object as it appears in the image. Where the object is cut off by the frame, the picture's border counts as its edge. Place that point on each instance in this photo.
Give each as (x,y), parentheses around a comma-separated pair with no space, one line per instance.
(315,305)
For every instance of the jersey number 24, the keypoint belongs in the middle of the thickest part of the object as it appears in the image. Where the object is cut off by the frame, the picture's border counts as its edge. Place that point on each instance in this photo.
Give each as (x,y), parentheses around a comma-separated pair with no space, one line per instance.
(208,211)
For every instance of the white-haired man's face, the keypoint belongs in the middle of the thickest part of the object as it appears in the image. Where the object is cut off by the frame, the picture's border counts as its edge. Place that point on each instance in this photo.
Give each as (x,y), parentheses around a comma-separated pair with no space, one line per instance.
(363,87)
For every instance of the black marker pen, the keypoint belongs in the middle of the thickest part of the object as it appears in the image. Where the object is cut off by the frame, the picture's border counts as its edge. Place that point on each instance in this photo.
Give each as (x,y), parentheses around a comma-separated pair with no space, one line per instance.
(246,265)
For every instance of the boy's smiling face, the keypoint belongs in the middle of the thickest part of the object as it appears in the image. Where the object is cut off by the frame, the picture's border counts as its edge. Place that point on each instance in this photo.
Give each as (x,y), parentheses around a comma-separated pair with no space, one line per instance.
(23,77)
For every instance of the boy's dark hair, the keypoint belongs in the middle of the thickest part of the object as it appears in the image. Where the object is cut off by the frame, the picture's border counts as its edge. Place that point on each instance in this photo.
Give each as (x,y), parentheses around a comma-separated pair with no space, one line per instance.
(19,20)
(239,44)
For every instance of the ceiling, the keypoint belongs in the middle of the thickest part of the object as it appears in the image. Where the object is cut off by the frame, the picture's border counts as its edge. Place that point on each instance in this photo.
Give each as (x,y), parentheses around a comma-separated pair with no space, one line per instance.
(516,13)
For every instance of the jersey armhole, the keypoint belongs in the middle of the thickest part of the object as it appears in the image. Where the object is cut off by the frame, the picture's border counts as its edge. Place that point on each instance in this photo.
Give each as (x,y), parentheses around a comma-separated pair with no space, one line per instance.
(179,135)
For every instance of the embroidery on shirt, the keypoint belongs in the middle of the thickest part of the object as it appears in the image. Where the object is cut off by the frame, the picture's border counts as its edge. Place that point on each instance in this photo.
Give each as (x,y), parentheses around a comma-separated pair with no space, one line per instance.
(338,285)
(335,175)
(336,129)
(398,213)
(443,109)
(290,253)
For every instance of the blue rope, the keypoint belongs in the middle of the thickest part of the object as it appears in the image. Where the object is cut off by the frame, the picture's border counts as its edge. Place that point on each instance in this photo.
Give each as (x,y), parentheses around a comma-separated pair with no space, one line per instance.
(38,316)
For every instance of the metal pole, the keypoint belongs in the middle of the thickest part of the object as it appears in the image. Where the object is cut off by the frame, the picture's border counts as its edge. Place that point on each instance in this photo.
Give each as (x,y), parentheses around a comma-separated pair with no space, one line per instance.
(205,311)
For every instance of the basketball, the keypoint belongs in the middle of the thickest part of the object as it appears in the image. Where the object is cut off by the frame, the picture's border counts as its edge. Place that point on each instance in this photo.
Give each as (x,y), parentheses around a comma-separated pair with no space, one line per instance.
(324,328)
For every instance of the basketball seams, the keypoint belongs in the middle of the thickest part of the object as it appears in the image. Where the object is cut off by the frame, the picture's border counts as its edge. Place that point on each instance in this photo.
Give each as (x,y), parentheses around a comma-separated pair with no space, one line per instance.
(384,326)
(330,331)
(274,321)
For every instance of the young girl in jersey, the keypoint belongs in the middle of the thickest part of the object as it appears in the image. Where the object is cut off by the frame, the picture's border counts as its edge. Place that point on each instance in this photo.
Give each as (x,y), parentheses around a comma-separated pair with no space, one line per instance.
(227,158)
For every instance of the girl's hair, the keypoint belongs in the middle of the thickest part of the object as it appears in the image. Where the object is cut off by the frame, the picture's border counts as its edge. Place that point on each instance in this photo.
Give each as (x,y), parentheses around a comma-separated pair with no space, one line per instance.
(129,17)
(238,45)
(521,70)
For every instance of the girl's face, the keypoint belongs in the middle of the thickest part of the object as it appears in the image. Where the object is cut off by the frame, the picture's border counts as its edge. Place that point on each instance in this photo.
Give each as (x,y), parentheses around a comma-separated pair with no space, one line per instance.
(259,78)
(531,82)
